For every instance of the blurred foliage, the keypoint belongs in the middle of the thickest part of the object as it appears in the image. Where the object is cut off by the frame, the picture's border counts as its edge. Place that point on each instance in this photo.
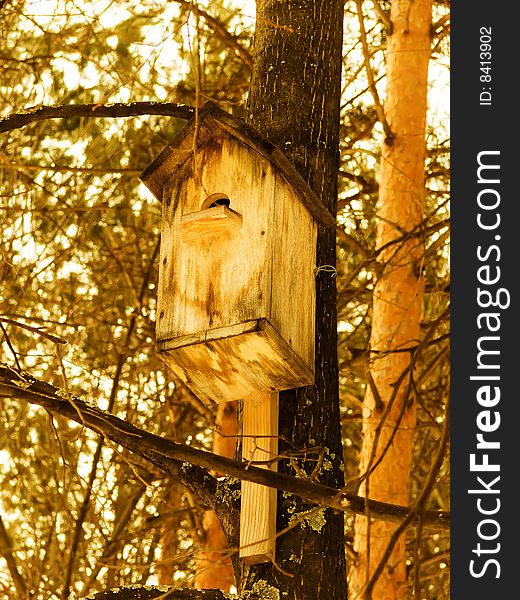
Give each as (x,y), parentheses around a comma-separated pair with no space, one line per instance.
(79,242)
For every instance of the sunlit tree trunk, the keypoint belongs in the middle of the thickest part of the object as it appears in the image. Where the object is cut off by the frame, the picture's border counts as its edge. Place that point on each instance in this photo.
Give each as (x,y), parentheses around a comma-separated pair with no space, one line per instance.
(389,412)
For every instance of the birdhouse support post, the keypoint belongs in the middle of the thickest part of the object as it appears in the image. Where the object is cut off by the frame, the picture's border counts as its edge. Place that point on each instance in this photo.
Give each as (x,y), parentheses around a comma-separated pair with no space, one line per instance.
(258,502)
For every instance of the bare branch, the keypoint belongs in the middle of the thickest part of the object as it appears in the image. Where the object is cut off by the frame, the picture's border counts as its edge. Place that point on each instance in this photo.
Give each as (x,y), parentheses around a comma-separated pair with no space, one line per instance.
(120,524)
(65,111)
(78,529)
(439,25)
(66,169)
(152,446)
(37,330)
(415,353)
(6,550)
(9,345)
(389,136)
(219,28)
(384,15)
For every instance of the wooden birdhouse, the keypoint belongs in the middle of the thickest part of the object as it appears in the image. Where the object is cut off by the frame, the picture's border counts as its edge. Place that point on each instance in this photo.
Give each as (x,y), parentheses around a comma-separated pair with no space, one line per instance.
(236,297)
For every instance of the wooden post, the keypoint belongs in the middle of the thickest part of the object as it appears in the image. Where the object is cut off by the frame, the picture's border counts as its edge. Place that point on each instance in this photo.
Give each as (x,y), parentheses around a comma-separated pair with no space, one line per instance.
(258,502)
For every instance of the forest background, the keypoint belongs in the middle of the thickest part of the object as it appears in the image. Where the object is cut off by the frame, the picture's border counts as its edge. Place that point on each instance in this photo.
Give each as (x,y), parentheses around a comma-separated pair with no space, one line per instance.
(78,272)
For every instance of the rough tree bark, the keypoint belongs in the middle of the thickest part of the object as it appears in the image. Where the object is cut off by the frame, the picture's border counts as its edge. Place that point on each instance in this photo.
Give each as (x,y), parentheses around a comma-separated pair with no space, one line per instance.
(389,408)
(294,103)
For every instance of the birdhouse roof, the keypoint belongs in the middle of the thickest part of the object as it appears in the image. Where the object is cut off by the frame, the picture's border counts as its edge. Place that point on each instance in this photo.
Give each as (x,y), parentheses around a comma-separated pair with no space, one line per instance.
(209,120)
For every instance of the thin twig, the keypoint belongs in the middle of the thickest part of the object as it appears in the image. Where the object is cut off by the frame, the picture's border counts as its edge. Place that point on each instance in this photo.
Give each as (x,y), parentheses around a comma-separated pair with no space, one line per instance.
(8,342)
(6,550)
(406,372)
(389,136)
(384,15)
(78,530)
(439,25)
(219,28)
(419,505)
(37,330)
(66,169)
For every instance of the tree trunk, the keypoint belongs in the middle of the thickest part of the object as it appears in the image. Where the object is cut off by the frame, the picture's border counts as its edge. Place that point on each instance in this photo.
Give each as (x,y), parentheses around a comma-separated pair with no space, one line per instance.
(389,413)
(294,102)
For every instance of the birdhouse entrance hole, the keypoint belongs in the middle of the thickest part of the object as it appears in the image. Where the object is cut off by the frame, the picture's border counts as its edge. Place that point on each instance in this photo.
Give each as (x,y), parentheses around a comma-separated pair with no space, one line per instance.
(215,217)
(216,200)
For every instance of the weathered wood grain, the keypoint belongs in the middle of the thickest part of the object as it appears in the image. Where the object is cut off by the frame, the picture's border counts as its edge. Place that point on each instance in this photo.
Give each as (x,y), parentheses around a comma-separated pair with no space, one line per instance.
(210,117)
(293,287)
(221,280)
(231,362)
(208,222)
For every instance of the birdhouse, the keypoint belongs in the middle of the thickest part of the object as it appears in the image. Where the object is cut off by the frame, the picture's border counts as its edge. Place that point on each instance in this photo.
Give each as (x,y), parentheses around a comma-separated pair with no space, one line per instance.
(236,296)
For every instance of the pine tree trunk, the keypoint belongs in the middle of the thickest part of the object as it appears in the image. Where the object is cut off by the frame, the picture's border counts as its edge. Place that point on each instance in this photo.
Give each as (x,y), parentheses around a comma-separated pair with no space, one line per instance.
(294,102)
(397,301)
